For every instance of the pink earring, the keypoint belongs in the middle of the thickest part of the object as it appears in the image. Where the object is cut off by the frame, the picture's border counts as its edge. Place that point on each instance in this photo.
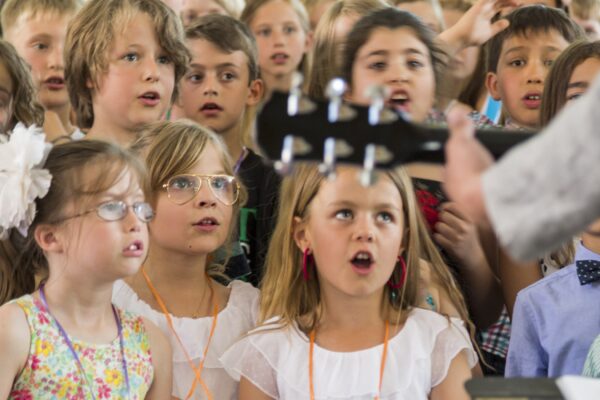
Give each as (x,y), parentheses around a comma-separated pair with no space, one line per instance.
(398,285)
(306,258)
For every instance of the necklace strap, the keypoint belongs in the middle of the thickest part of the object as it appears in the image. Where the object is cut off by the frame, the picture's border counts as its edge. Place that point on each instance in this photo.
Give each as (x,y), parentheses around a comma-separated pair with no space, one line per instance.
(69,344)
(312,335)
(165,311)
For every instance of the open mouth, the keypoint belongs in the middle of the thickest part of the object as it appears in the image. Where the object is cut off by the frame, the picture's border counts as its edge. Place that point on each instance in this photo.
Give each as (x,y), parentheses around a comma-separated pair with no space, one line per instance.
(399,101)
(55,82)
(279,58)
(532,100)
(134,248)
(211,107)
(362,260)
(207,222)
(150,96)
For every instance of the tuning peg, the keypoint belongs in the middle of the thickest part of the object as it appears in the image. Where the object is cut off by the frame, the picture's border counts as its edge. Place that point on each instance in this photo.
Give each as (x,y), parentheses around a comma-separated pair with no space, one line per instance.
(333,148)
(337,110)
(378,113)
(373,154)
(367,175)
(297,102)
(291,146)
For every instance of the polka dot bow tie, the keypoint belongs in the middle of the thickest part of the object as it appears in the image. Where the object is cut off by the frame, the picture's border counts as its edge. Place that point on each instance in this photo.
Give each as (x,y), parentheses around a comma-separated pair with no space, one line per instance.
(588,271)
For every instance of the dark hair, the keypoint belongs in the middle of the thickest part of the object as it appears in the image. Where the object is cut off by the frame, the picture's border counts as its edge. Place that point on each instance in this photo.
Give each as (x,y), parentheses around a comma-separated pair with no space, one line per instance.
(229,35)
(475,86)
(528,20)
(391,18)
(557,81)
(80,171)
(25,107)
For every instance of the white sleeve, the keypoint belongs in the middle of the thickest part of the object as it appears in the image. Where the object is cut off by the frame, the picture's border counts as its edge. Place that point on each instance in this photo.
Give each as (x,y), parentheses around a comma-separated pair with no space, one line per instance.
(244,359)
(546,191)
(448,344)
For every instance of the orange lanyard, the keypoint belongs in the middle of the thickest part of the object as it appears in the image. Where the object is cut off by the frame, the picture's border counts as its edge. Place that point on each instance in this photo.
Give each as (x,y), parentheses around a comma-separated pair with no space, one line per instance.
(381,367)
(197,371)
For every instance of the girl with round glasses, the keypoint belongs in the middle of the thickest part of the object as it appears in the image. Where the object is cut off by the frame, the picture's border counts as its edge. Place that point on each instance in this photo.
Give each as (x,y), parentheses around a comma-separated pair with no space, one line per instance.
(197,199)
(67,339)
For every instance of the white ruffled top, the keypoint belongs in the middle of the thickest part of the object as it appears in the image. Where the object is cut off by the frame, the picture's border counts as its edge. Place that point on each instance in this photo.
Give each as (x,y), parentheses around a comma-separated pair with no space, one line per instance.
(233,322)
(275,360)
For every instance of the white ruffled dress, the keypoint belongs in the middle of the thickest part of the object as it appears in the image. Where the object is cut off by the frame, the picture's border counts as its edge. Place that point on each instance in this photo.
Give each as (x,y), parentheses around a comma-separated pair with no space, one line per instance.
(233,322)
(275,360)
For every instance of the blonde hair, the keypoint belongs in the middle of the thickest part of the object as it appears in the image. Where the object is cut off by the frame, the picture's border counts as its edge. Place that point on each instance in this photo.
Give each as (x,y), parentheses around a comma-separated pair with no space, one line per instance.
(171,148)
(252,7)
(25,107)
(326,53)
(284,292)
(91,34)
(13,9)
(585,9)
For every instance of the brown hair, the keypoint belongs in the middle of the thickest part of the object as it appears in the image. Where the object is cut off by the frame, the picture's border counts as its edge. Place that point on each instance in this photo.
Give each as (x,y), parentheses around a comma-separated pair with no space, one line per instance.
(325,54)
(81,170)
(390,18)
(557,81)
(13,9)
(529,20)
(228,35)
(585,9)
(171,148)
(25,107)
(91,34)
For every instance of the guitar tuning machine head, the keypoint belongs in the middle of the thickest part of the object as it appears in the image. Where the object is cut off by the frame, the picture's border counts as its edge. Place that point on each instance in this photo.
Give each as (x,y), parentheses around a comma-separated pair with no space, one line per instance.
(367,175)
(297,102)
(292,146)
(333,148)
(337,110)
(378,113)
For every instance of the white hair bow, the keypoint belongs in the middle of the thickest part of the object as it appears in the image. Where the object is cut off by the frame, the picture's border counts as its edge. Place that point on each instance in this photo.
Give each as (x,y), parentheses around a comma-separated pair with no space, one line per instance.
(22,180)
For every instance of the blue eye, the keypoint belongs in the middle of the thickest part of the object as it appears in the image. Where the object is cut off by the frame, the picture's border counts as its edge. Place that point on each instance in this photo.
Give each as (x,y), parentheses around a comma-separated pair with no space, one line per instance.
(344,215)
(131,57)
(181,183)
(385,217)
(164,60)
(219,182)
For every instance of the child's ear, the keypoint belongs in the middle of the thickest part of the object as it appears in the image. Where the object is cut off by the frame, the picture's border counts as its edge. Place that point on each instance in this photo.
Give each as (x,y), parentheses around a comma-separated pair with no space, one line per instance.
(491,82)
(301,236)
(256,92)
(308,42)
(48,238)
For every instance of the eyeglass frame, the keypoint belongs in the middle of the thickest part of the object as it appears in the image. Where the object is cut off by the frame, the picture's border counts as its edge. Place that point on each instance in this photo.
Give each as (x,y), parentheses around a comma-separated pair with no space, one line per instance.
(202,177)
(97,208)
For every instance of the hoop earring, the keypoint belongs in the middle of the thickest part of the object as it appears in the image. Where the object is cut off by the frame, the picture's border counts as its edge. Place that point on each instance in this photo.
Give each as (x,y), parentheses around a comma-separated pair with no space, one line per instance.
(400,283)
(306,259)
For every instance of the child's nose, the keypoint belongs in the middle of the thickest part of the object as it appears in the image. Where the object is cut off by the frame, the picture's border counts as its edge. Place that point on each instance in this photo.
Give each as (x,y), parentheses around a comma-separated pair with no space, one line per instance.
(55,59)
(205,196)
(210,84)
(536,72)
(151,70)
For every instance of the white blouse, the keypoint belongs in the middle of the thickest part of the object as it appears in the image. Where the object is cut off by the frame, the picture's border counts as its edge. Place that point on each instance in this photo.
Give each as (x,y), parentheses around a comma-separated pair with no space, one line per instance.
(233,322)
(275,360)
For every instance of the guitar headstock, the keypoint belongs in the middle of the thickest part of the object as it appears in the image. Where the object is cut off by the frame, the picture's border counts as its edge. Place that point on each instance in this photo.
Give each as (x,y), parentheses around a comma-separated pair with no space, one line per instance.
(292,128)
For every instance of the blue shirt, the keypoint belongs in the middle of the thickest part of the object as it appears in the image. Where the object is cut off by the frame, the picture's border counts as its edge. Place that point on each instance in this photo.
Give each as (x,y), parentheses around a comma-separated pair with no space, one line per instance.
(555,321)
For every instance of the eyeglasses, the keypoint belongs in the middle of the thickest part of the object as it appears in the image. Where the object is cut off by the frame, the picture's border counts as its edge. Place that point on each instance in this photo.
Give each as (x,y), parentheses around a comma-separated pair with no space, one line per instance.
(116,210)
(183,188)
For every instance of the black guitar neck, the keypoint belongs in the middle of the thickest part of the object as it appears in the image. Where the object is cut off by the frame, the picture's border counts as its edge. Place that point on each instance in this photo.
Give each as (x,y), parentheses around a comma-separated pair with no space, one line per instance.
(398,141)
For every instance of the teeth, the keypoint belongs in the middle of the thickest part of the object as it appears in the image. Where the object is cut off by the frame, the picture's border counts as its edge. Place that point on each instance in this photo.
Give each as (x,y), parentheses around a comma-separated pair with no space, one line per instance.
(363,256)
(534,97)
(133,247)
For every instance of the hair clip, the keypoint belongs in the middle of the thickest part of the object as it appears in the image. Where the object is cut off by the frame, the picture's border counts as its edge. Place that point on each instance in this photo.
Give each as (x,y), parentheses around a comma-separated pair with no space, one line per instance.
(378,113)
(297,102)
(22,180)
(337,110)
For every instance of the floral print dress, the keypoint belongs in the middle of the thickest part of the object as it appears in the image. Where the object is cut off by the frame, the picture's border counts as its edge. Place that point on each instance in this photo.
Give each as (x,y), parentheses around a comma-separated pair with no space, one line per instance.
(51,372)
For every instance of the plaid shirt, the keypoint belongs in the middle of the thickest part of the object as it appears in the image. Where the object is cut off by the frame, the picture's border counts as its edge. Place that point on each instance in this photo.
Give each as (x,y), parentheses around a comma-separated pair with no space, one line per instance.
(495,339)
